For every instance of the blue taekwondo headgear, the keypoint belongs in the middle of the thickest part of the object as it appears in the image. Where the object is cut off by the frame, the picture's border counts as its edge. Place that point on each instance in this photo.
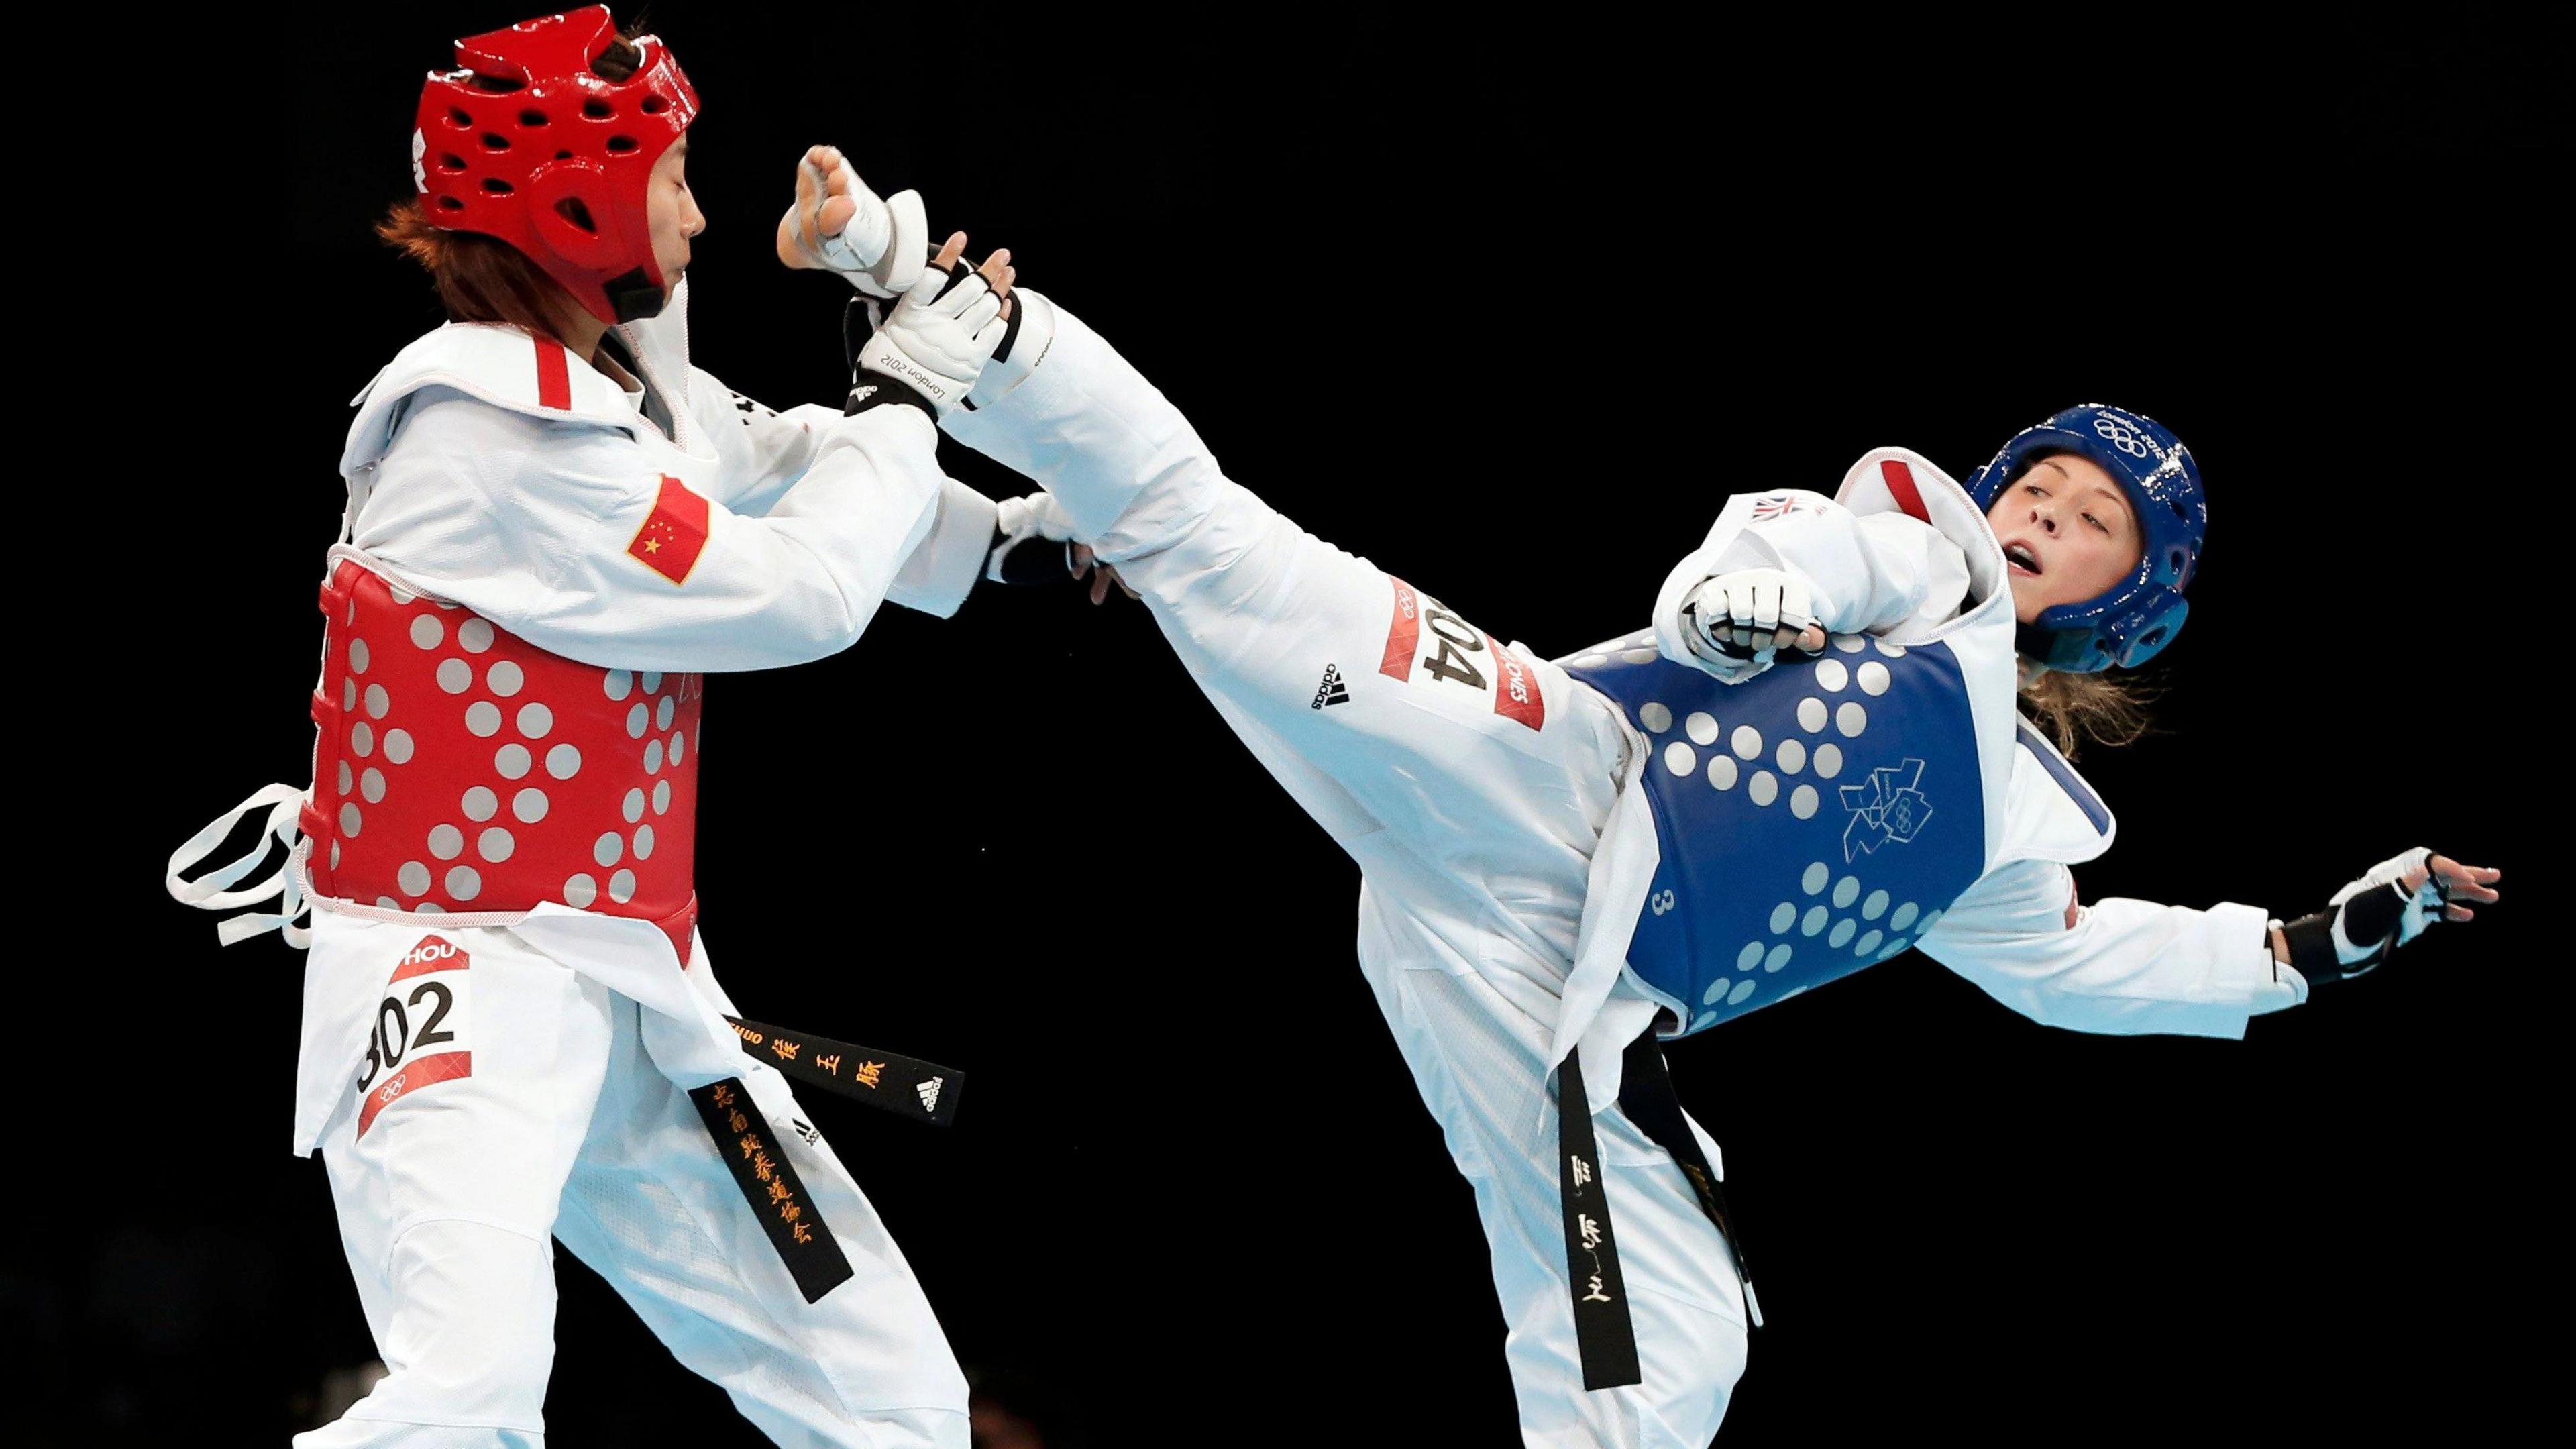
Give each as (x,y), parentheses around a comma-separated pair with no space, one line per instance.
(2127,625)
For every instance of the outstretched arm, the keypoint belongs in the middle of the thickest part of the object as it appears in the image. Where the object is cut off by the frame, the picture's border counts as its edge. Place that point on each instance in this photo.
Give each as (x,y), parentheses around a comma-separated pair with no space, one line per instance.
(2133,967)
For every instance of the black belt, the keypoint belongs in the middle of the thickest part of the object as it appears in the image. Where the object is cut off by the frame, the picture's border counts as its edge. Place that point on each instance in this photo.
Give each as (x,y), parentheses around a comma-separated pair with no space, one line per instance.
(905,1086)
(1603,1330)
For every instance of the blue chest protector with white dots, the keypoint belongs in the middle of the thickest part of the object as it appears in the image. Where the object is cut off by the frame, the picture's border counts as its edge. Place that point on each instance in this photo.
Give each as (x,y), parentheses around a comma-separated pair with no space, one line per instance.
(1813,820)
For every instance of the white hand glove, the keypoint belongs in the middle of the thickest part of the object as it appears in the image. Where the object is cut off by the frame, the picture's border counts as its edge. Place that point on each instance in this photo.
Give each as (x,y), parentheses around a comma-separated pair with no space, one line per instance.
(881,250)
(1737,621)
(2376,914)
(937,344)
(2412,915)
(1030,542)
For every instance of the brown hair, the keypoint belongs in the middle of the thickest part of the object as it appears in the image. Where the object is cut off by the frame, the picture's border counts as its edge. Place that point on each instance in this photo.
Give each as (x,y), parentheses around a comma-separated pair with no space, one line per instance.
(483,278)
(2096,707)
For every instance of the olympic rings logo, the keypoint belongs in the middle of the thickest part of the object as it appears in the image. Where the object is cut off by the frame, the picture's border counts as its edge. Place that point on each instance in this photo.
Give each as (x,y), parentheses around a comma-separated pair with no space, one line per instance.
(2121,436)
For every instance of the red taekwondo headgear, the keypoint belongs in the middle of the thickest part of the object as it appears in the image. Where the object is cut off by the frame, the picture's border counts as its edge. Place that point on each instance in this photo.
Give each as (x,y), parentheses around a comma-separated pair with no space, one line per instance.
(527,143)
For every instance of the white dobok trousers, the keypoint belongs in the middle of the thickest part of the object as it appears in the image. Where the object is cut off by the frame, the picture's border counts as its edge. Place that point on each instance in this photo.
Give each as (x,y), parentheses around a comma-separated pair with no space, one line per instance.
(565,1129)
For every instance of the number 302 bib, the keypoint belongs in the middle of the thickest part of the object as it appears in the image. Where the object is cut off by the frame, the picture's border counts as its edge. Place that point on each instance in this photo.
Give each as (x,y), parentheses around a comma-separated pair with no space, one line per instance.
(422,1030)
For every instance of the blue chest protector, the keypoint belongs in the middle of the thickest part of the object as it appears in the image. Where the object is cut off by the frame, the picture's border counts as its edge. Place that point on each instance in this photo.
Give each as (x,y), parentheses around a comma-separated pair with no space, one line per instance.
(1813,820)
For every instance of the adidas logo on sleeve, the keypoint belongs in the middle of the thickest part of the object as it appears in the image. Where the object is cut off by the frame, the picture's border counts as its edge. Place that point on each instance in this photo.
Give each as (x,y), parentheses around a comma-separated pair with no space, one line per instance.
(1332,690)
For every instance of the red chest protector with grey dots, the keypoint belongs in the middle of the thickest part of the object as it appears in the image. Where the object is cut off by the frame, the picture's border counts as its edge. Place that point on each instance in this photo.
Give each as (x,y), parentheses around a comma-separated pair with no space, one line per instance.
(461,769)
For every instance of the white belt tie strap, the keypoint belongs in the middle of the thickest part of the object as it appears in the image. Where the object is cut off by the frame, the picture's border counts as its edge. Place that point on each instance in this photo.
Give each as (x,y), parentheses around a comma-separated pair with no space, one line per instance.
(215,891)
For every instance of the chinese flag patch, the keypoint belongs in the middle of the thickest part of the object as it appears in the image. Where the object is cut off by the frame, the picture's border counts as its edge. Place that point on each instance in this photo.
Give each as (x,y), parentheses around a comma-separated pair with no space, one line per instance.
(672,538)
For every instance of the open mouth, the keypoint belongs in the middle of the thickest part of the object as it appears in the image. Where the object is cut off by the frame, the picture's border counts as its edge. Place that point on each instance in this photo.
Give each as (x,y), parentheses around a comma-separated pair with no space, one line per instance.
(2020,557)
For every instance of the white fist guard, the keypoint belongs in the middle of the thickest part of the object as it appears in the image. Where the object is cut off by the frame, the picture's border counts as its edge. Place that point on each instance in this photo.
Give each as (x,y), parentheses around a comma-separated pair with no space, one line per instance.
(937,343)
(1736,622)
(883,247)
(1032,533)
(2416,910)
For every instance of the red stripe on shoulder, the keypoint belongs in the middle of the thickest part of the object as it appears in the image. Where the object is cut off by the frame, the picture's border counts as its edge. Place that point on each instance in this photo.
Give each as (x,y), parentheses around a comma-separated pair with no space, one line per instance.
(1900,481)
(554,375)
(1403,631)
(1516,692)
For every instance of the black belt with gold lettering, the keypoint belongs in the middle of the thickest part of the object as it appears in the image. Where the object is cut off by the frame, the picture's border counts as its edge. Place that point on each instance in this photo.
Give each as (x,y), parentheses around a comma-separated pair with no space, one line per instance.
(1603,1331)
(905,1086)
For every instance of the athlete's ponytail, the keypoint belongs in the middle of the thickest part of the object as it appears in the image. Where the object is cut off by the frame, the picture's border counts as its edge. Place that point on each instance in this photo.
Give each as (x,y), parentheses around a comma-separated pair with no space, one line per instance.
(2105,709)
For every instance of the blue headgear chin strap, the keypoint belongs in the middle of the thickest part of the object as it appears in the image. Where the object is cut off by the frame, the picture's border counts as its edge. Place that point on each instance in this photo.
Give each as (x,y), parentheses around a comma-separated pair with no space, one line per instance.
(2128,624)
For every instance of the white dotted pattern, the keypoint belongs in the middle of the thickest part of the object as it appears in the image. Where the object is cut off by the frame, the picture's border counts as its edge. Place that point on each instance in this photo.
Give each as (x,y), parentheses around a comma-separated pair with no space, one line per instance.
(1802,802)
(1653,715)
(1871,677)
(1811,714)
(1851,719)
(1763,788)
(1677,758)
(1721,772)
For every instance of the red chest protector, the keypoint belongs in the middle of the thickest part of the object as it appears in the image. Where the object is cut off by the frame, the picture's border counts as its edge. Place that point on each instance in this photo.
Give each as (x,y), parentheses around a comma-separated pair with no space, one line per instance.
(461,769)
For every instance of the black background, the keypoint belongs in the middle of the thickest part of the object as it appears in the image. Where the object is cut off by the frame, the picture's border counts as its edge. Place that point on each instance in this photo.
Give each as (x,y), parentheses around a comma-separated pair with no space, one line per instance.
(1509,311)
